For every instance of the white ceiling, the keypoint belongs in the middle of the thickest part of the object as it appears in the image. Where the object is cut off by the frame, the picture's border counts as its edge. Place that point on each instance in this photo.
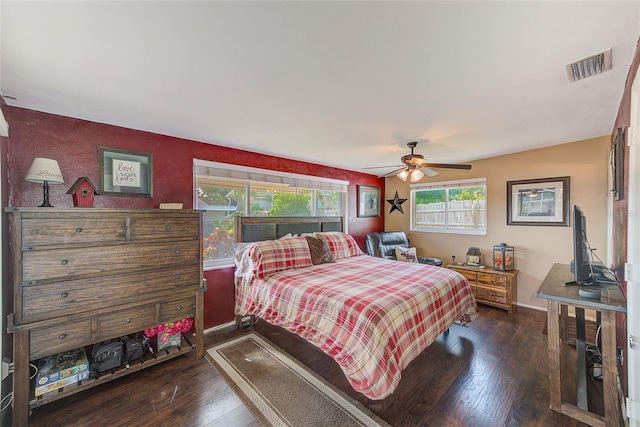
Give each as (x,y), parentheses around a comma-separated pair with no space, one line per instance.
(344,84)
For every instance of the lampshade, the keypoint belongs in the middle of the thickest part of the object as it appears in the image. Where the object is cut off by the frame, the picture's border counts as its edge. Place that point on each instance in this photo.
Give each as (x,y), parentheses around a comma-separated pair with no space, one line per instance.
(416,175)
(403,174)
(42,170)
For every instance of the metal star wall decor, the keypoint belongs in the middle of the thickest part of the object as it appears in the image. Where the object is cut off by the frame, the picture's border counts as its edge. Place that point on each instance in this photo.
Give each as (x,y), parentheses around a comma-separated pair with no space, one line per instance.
(396,203)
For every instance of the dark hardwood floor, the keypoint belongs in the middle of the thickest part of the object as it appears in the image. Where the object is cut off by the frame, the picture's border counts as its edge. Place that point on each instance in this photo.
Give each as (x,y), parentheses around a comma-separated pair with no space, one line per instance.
(493,373)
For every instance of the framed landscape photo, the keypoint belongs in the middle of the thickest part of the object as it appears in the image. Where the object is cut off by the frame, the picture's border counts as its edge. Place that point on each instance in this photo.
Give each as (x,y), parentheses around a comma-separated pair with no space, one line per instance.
(368,201)
(542,201)
(125,173)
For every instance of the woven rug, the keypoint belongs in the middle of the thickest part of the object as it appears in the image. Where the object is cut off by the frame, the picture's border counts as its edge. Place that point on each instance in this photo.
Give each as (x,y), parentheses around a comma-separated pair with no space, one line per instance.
(280,391)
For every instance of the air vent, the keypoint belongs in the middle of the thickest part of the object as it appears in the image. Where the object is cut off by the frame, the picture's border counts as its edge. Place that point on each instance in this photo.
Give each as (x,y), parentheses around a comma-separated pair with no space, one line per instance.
(589,66)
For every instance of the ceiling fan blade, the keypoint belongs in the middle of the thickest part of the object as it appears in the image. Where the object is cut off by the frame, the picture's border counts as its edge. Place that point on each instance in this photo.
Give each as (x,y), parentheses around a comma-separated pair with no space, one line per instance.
(430,172)
(395,172)
(381,167)
(449,166)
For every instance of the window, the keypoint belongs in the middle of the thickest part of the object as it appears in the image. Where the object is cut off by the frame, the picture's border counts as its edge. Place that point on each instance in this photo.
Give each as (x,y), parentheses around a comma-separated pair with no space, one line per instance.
(450,207)
(225,191)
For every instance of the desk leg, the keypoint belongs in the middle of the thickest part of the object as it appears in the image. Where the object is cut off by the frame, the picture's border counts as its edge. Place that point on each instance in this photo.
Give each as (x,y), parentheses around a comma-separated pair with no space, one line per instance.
(581,353)
(555,375)
(609,369)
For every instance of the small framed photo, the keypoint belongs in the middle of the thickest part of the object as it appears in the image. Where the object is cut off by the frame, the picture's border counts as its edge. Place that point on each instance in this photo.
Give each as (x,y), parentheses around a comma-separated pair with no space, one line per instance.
(368,201)
(542,201)
(617,165)
(125,173)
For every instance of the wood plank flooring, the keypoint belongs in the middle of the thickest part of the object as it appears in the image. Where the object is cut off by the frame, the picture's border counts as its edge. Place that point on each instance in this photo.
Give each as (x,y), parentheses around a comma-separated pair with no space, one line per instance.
(493,373)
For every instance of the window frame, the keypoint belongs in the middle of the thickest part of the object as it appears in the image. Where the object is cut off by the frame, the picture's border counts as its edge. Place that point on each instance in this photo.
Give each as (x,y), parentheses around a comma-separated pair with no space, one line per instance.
(446,185)
(250,174)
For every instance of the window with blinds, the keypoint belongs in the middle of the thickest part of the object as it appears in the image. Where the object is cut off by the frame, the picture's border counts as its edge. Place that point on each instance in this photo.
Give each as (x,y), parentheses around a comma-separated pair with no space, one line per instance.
(224,191)
(450,207)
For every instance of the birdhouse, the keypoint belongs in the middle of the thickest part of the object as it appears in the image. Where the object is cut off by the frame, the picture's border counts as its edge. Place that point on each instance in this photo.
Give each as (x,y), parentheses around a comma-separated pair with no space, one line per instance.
(82,192)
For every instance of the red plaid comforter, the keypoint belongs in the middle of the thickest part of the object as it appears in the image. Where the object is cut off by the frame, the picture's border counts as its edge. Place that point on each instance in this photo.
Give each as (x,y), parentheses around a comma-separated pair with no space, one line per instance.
(372,315)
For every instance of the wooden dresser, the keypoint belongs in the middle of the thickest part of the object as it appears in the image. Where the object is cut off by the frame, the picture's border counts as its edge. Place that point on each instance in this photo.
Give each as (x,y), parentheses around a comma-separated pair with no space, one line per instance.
(84,275)
(491,287)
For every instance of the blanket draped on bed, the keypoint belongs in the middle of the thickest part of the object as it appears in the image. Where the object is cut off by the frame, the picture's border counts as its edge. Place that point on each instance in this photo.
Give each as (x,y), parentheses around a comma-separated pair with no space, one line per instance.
(372,315)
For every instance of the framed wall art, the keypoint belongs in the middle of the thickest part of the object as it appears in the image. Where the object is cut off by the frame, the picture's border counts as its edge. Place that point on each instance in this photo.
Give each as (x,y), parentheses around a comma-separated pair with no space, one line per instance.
(125,173)
(368,201)
(617,165)
(542,201)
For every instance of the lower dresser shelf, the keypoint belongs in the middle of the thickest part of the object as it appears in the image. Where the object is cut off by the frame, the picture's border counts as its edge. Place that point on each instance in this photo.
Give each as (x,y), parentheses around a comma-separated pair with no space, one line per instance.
(188,345)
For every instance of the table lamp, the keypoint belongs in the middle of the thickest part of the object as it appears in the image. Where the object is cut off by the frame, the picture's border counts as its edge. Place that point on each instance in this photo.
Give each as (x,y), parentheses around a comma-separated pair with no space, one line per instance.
(47,172)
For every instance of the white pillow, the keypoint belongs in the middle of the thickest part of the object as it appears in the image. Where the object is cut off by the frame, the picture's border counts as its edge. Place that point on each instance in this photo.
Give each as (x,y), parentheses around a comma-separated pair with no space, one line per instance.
(406,254)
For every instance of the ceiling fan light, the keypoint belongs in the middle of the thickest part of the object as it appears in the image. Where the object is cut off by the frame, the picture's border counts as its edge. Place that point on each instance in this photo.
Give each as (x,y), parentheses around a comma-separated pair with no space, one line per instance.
(416,175)
(403,174)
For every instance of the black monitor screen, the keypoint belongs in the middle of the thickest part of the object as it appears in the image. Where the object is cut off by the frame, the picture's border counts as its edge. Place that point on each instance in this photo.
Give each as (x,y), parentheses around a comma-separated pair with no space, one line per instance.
(581,269)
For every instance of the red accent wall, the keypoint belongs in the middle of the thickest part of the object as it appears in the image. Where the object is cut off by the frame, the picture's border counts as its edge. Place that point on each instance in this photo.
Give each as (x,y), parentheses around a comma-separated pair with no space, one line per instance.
(73,143)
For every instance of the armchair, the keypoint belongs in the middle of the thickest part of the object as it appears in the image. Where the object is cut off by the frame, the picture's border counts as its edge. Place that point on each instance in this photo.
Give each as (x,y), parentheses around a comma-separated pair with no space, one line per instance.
(383,245)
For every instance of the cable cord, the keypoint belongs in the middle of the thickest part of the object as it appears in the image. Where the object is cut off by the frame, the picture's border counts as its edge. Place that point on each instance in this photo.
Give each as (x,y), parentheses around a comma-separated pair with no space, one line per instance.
(4,406)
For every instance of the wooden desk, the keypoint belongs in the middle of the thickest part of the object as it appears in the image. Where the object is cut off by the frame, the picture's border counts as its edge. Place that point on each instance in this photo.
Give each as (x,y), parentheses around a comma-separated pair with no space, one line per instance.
(559,296)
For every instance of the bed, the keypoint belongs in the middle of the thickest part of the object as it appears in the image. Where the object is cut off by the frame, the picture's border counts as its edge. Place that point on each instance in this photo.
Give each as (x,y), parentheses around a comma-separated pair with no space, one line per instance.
(371,315)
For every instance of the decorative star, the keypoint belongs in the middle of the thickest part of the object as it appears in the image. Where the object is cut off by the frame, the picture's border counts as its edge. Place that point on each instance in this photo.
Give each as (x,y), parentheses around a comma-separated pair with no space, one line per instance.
(396,203)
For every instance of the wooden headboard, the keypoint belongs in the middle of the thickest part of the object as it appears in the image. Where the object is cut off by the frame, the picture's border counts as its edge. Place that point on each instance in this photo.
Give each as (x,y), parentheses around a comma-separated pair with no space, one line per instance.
(257,228)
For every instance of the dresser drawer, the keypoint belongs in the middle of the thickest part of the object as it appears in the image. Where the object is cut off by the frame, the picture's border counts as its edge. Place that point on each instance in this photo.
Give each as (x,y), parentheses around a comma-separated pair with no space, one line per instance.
(127,321)
(59,338)
(57,231)
(178,309)
(470,275)
(66,263)
(49,300)
(166,227)
(492,280)
(496,295)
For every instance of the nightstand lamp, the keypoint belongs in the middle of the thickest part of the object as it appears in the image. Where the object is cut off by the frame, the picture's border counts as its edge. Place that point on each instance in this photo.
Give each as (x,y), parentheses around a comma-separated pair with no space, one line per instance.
(47,172)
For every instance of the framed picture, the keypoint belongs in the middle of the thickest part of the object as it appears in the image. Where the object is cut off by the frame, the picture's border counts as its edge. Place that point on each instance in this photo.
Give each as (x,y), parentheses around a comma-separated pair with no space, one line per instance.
(617,165)
(368,201)
(125,173)
(538,202)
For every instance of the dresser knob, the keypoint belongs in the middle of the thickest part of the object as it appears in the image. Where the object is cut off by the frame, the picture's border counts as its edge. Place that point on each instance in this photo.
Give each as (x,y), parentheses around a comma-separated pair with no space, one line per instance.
(64,262)
(64,295)
(178,276)
(62,336)
(178,308)
(79,230)
(177,251)
(128,319)
(168,227)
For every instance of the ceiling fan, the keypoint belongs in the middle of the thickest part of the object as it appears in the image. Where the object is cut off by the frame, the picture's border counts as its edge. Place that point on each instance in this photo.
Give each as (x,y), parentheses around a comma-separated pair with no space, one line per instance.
(415,166)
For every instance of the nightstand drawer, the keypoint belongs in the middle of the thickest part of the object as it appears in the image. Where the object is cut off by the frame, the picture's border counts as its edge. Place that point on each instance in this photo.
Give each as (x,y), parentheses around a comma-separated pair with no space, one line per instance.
(178,309)
(492,280)
(127,321)
(470,275)
(491,294)
(59,338)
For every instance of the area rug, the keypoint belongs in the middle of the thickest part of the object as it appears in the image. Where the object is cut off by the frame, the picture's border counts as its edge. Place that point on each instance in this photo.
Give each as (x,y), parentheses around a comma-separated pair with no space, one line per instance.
(280,391)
